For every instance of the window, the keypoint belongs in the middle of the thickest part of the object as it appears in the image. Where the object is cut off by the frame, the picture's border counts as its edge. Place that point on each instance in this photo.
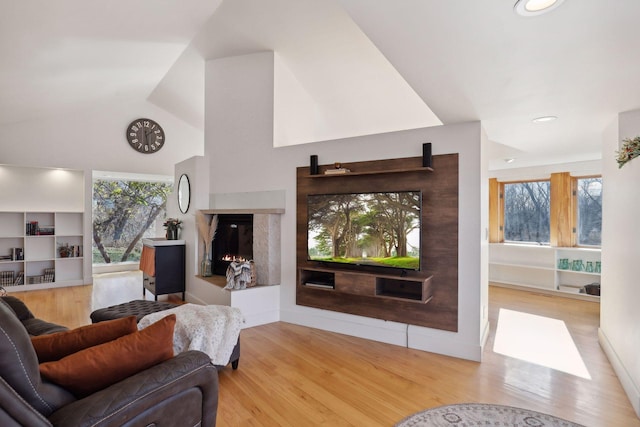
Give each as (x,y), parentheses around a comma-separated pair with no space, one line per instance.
(527,211)
(563,211)
(589,204)
(124,212)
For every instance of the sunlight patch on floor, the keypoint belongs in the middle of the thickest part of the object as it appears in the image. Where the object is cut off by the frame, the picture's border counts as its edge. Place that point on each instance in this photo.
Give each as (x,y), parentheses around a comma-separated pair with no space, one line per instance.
(540,340)
(116,288)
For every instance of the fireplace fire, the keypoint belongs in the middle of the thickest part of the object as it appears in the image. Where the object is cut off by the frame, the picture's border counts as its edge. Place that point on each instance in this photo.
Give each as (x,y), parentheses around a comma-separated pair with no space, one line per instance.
(232,258)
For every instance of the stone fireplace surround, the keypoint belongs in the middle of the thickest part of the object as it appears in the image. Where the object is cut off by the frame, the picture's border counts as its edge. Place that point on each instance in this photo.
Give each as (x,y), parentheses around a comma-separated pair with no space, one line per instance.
(266,241)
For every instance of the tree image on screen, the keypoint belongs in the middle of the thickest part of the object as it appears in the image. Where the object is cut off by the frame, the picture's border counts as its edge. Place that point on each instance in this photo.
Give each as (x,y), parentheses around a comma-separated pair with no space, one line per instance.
(378,229)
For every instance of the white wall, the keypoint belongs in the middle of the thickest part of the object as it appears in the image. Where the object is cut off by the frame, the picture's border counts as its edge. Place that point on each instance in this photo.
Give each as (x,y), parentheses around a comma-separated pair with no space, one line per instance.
(94,139)
(197,169)
(239,143)
(619,314)
(591,167)
(294,125)
(483,225)
(41,189)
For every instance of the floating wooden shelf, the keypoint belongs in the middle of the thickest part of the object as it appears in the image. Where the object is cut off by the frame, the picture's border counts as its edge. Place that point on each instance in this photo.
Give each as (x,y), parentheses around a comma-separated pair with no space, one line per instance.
(334,175)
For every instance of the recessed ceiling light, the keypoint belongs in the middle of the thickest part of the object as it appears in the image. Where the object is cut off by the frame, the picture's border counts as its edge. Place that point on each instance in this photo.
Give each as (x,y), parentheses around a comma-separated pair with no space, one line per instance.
(510,160)
(535,7)
(544,119)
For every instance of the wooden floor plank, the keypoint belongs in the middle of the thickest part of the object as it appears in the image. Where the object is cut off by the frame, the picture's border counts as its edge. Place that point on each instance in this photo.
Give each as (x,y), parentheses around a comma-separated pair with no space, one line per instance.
(291,375)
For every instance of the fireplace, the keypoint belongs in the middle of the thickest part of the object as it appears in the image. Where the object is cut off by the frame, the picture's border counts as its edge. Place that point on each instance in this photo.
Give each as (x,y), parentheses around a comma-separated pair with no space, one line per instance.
(233,241)
(263,247)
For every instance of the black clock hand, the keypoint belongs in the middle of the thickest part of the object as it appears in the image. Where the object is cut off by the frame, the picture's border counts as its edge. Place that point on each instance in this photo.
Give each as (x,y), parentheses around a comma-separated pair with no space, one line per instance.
(144,138)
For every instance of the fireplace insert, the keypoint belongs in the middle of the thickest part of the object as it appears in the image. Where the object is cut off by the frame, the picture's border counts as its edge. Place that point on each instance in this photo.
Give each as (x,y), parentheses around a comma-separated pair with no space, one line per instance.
(233,241)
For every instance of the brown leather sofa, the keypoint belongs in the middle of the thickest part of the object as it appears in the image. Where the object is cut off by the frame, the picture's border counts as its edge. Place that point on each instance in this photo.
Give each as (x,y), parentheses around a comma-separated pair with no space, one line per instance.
(33,325)
(182,391)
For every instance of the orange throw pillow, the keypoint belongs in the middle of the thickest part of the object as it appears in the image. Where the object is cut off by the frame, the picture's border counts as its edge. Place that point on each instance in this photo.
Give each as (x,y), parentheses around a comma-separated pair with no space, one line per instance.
(56,346)
(98,367)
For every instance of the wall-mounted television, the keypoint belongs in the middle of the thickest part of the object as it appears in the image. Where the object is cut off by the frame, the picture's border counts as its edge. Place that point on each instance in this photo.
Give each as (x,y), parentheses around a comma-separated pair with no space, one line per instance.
(378,229)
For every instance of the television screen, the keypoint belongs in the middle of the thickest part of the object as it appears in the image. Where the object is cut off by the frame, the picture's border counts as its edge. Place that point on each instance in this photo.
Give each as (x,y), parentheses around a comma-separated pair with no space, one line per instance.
(370,229)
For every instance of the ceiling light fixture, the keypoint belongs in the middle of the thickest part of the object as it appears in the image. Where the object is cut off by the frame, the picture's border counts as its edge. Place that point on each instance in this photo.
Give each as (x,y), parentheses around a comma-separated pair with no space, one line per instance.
(544,119)
(535,7)
(510,160)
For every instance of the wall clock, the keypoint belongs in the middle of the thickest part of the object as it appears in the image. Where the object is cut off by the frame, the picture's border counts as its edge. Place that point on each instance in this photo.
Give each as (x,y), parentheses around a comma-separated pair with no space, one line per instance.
(145,136)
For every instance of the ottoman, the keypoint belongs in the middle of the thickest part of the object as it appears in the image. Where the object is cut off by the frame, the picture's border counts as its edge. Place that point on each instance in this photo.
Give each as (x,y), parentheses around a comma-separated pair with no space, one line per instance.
(141,308)
(138,308)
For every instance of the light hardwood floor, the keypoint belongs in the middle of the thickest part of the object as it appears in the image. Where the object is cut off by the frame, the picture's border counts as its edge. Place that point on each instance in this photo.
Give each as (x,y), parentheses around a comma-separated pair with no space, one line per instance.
(291,375)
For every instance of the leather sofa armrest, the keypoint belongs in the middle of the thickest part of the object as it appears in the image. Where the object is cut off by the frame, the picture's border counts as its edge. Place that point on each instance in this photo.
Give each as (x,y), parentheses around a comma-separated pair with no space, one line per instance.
(14,411)
(19,308)
(40,327)
(122,401)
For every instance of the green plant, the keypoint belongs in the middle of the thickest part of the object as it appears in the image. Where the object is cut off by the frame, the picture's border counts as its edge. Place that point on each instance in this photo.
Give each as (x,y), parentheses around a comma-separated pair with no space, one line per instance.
(630,149)
(172,223)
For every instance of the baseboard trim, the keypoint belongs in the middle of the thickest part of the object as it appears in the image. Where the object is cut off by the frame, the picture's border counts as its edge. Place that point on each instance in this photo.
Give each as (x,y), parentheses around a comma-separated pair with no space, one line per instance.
(400,334)
(257,319)
(443,342)
(347,324)
(189,297)
(627,382)
(483,339)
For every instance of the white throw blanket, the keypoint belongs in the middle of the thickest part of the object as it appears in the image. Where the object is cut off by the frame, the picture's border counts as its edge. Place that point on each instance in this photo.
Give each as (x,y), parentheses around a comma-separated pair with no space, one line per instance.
(239,275)
(212,329)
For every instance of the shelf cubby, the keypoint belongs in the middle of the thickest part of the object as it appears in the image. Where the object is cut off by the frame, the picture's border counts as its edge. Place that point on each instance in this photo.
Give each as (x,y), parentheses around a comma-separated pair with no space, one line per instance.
(536,266)
(404,289)
(40,252)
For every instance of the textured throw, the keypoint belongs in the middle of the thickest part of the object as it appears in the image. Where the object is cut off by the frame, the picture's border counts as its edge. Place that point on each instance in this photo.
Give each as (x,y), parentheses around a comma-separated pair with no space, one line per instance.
(212,329)
(478,414)
(239,275)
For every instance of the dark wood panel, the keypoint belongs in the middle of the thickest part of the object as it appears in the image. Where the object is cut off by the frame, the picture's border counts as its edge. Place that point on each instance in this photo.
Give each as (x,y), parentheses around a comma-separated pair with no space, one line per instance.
(439,257)
(358,284)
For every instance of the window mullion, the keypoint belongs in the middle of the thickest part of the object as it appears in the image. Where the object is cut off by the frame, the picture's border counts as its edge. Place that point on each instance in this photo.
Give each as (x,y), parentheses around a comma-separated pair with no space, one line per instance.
(561,220)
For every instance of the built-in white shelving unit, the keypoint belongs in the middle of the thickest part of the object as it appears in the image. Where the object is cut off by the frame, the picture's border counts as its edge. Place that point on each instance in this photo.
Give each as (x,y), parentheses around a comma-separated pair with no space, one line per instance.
(34,253)
(536,266)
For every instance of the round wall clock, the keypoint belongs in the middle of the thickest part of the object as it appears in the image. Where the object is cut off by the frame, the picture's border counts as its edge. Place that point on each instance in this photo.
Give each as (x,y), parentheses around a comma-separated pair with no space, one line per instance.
(145,136)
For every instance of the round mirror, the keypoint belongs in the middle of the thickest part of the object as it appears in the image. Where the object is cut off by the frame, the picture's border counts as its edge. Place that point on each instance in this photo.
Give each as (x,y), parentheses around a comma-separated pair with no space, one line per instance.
(184,193)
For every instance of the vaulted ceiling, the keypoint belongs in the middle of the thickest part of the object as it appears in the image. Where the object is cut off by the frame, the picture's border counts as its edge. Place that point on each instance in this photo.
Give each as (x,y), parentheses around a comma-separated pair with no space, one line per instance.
(363,66)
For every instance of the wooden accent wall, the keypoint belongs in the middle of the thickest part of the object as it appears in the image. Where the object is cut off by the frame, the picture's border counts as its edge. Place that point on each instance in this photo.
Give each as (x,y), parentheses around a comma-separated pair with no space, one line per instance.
(562,210)
(495,210)
(439,238)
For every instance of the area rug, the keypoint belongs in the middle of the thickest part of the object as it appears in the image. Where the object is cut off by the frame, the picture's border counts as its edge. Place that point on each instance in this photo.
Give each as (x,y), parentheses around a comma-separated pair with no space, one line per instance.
(479,414)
